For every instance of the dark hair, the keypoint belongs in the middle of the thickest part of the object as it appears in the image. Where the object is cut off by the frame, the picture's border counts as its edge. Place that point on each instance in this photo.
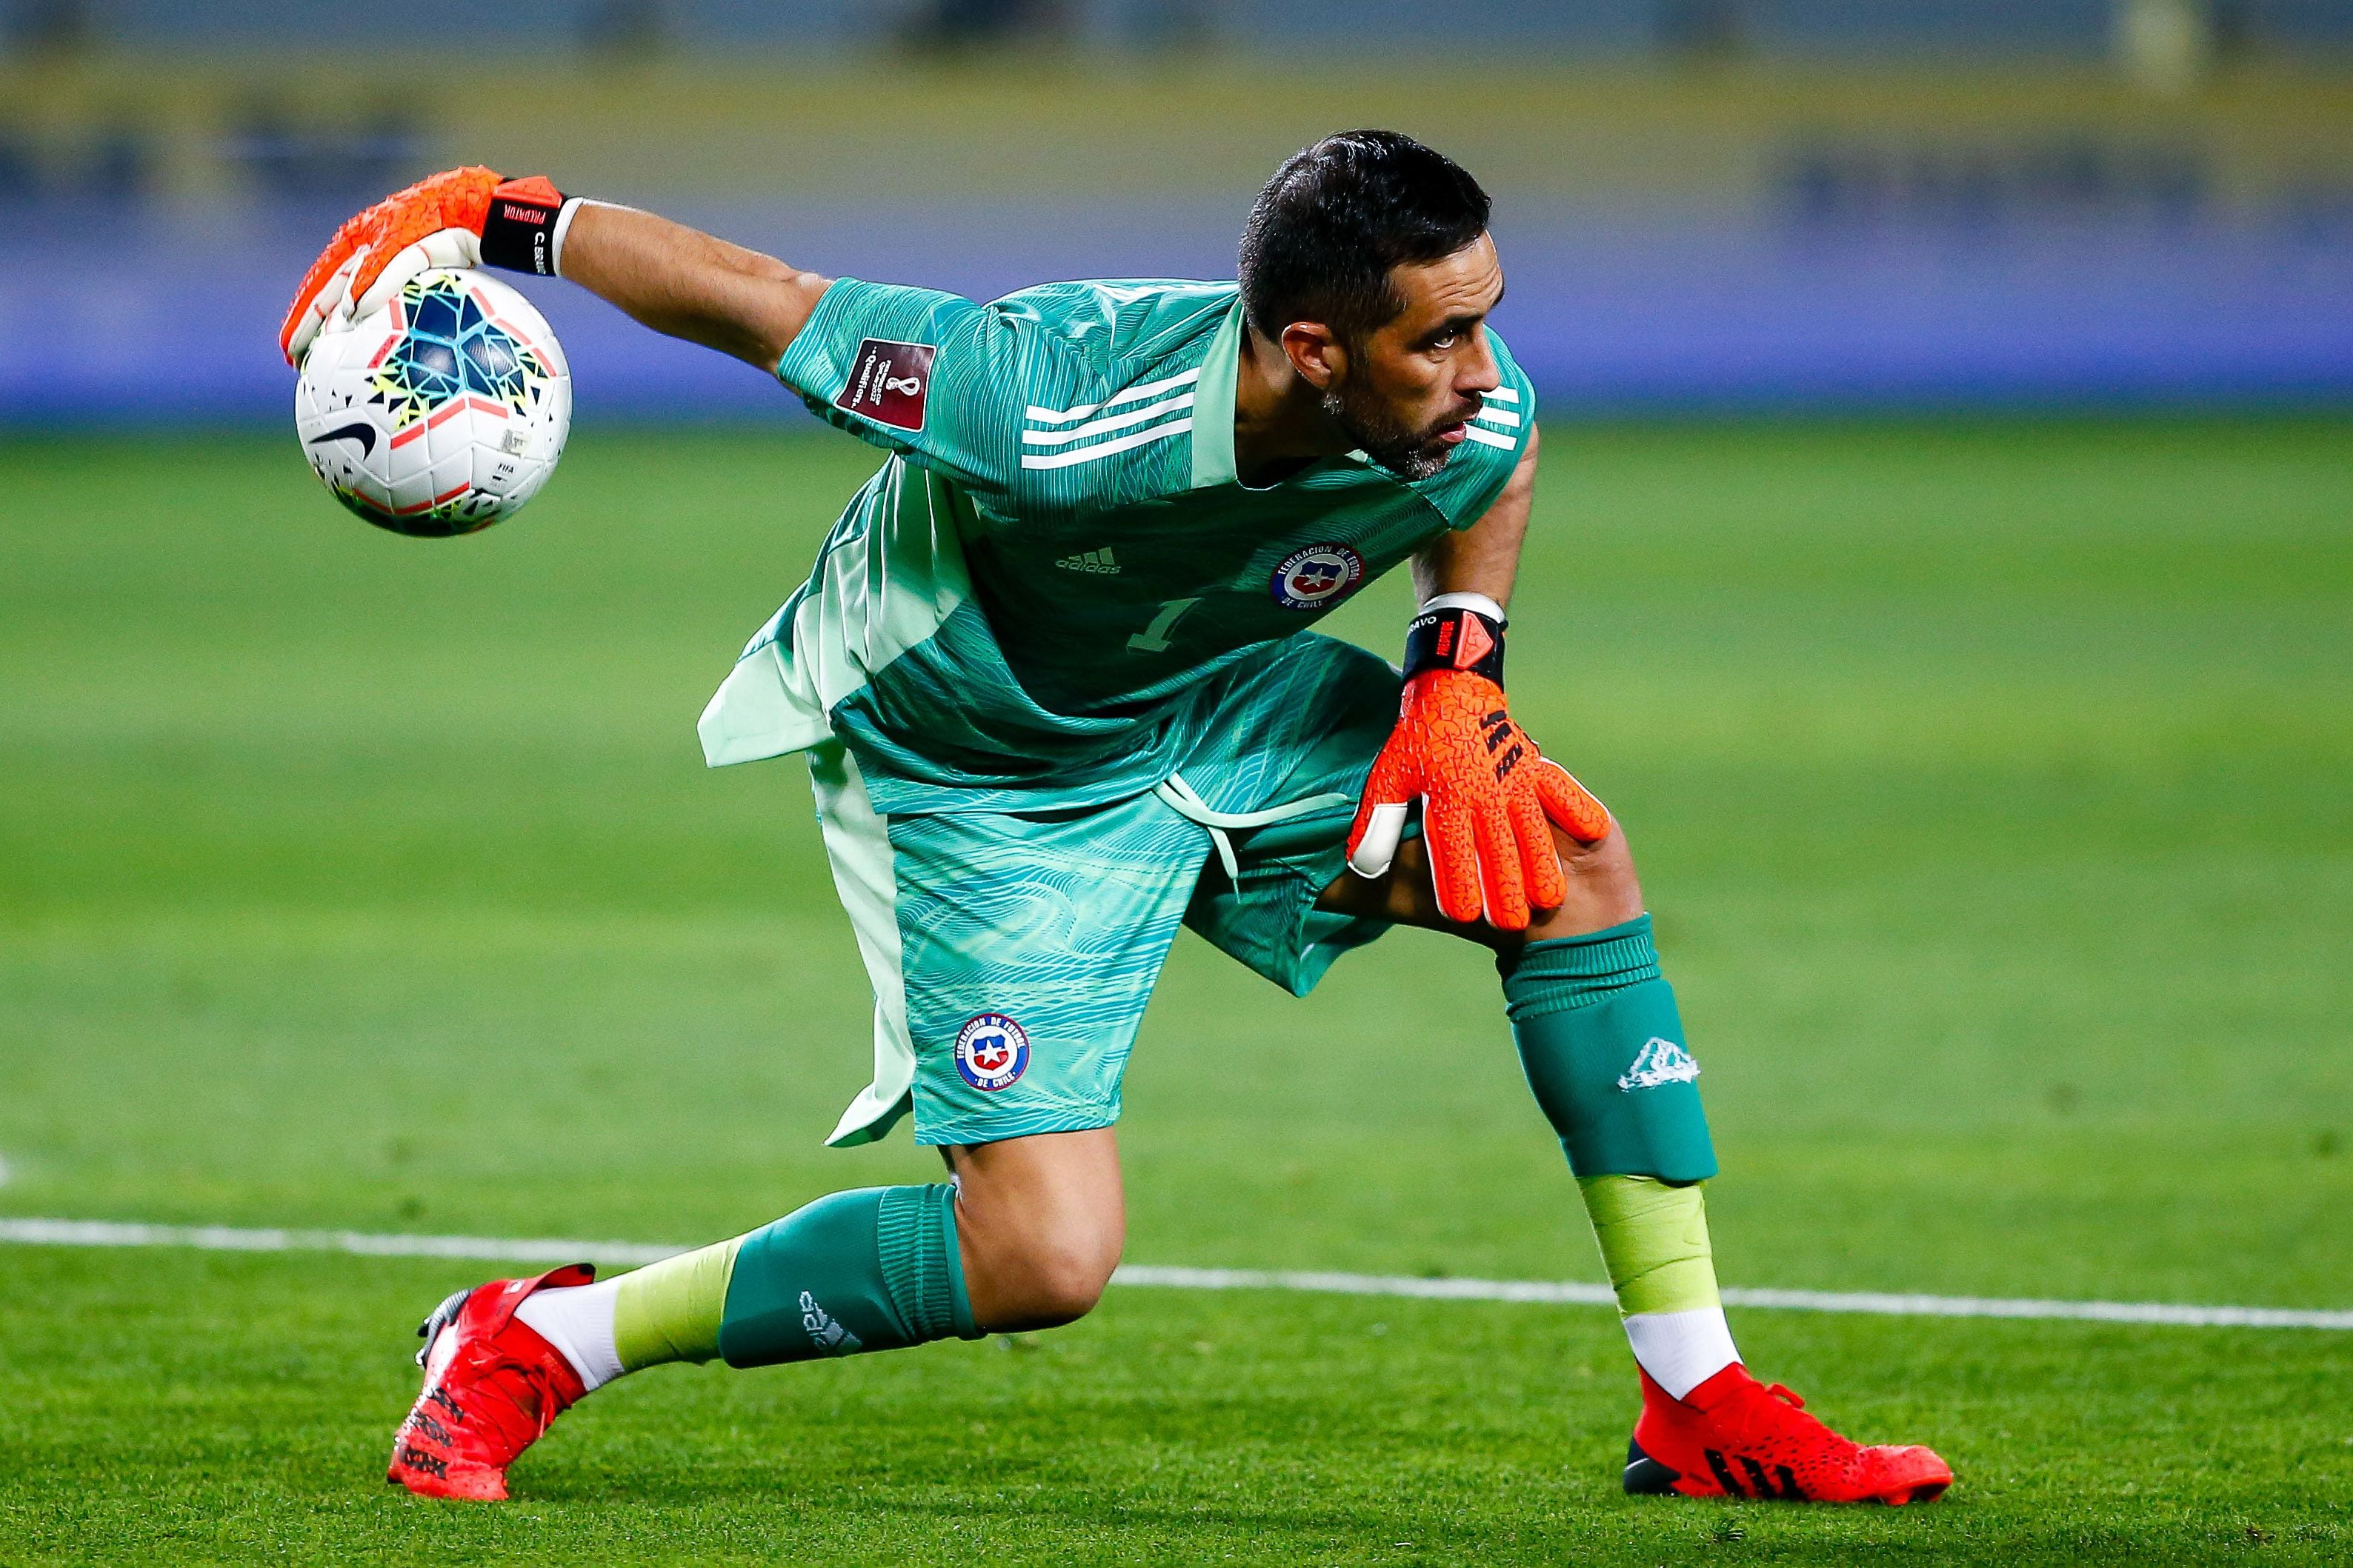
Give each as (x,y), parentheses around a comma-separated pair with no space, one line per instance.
(1338,215)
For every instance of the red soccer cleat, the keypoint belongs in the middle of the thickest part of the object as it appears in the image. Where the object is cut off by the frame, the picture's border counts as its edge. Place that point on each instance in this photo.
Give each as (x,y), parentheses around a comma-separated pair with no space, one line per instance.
(491,1387)
(1735,1437)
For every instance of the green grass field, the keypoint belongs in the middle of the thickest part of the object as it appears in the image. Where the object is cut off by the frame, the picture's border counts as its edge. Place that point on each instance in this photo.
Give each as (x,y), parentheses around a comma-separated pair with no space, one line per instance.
(1990,787)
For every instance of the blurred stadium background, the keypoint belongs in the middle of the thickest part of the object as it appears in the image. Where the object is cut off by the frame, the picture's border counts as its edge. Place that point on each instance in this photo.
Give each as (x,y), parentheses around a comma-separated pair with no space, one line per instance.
(1705,204)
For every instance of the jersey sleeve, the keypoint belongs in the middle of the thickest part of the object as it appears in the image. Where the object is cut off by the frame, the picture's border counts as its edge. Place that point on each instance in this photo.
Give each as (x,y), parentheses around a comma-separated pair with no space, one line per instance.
(1492,448)
(930,375)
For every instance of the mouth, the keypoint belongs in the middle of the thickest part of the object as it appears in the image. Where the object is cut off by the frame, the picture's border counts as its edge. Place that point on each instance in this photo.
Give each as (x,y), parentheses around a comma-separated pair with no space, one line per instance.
(1453,432)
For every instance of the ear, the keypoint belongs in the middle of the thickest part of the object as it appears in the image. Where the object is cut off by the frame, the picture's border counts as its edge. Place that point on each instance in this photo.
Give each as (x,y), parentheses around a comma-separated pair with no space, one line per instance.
(1316,355)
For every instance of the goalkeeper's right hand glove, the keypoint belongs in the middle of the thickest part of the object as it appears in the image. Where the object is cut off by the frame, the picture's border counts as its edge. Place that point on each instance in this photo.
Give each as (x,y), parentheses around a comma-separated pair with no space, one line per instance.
(460,217)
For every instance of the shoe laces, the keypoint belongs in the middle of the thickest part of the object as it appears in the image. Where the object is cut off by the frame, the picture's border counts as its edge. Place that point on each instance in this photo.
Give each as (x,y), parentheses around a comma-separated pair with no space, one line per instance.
(1775,1415)
(538,1400)
(441,1317)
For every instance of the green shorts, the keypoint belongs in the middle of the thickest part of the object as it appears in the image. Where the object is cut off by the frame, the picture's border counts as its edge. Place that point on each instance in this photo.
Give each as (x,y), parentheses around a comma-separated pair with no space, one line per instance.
(1012,953)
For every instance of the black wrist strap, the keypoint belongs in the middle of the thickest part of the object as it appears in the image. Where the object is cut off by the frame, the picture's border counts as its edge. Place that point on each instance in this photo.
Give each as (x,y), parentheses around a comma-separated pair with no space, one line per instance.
(1454,639)
(518,234)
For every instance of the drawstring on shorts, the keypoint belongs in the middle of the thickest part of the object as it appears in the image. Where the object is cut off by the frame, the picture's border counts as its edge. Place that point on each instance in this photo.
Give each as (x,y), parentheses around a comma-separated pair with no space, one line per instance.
(1181,798)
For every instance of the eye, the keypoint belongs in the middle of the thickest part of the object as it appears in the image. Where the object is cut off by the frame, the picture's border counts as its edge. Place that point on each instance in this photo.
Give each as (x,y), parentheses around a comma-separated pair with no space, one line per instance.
(1447,339)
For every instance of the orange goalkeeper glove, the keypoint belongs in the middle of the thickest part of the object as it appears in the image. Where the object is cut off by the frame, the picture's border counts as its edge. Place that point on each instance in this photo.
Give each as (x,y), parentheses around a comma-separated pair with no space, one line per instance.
(1485,790)
(460,217)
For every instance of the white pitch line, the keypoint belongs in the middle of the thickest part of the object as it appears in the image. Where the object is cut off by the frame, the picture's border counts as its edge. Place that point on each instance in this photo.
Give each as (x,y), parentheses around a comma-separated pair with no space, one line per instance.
(1879,1303)
(224,1238)
(1566,1292)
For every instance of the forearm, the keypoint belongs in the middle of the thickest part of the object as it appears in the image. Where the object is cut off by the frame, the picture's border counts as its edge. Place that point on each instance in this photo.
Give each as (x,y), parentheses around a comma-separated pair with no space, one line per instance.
(1485,557)
(688,284)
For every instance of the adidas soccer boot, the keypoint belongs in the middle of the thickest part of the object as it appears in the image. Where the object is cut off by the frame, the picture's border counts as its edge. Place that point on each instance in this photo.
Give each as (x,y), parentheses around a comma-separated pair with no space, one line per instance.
(491,1386)
(1734,1437)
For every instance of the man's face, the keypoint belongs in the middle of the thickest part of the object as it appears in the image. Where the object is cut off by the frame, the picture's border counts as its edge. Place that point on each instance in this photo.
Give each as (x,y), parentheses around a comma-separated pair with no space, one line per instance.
(1410,387)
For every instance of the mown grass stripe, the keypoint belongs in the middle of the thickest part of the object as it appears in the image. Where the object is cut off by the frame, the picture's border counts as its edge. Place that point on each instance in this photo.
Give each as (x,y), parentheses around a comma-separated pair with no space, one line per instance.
(227,1238)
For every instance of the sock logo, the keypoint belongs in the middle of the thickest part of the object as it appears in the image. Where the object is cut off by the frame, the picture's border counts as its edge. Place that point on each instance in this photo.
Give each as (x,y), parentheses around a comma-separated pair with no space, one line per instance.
(826,1328)
(1658,1061)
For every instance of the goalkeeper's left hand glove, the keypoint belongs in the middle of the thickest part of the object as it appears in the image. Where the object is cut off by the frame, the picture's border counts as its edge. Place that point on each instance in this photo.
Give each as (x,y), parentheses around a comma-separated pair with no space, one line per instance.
(460,217)
(1485,789)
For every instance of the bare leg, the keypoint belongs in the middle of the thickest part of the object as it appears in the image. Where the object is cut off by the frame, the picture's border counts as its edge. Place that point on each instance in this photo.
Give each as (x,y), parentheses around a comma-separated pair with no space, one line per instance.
(1602,892)
(1040,1221)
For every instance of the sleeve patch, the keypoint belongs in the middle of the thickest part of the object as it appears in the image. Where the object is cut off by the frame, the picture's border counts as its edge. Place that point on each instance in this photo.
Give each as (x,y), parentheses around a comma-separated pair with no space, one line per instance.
(889,383)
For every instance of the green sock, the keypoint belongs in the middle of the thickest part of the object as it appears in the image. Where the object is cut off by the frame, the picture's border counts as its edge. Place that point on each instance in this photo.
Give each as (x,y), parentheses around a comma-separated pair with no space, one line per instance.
(872,1270)
(1603,1045)
(1602,1042)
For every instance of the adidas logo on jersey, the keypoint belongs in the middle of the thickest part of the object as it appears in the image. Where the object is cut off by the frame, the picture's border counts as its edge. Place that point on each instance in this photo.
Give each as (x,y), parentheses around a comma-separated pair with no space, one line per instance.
(1658,1061)
(1096,561)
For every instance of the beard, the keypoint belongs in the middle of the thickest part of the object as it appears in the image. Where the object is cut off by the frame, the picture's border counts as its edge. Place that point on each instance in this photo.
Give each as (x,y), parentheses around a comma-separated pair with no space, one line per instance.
(1411,454)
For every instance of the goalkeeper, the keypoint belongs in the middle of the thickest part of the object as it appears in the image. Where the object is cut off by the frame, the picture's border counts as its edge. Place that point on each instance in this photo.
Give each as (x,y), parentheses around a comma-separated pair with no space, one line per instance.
(1055,680)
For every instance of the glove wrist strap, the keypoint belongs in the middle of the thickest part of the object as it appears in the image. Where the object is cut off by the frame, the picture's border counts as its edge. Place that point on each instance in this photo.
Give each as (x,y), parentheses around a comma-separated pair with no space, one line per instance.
(1454,638)
(521,231)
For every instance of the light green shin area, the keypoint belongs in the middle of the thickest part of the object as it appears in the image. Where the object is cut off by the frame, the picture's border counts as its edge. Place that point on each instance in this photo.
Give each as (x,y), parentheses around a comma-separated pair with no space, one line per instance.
(671,1310)
(1653,1241)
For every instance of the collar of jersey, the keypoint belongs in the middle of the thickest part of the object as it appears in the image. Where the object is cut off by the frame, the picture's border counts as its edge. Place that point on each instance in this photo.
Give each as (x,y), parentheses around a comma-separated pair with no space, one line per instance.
(1213,411)
(1213,406)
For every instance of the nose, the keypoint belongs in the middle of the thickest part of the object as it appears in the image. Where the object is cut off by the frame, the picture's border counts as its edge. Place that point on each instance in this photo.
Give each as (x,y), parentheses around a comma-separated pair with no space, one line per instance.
(1481,374)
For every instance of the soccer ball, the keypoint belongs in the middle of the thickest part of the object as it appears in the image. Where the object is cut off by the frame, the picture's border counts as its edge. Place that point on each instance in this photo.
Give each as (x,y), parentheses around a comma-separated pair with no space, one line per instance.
(440,413)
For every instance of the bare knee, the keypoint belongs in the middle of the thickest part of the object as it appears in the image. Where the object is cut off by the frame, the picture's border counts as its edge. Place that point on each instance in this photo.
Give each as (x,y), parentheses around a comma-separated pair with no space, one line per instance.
(1040,1225)
(1056,1280)
(1603,891)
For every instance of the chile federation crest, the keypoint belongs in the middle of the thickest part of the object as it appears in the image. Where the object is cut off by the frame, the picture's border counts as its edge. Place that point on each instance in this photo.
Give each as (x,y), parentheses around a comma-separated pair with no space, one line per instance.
(992,1051)
(1317,577)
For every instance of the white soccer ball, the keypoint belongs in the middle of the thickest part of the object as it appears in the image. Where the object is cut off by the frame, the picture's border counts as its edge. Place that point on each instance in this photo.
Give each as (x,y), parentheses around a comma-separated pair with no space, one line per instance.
(440,413)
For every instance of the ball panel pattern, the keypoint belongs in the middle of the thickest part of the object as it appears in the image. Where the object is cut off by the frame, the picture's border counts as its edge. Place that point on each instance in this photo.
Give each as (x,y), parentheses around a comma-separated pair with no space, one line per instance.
(440,414)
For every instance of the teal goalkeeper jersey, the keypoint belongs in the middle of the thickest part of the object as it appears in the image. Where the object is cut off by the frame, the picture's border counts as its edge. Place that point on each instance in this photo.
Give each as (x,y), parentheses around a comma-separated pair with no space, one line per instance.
(1026,607)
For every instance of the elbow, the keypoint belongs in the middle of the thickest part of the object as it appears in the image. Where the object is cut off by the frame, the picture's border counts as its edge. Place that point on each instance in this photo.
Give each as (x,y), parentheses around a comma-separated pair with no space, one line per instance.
(774,300)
